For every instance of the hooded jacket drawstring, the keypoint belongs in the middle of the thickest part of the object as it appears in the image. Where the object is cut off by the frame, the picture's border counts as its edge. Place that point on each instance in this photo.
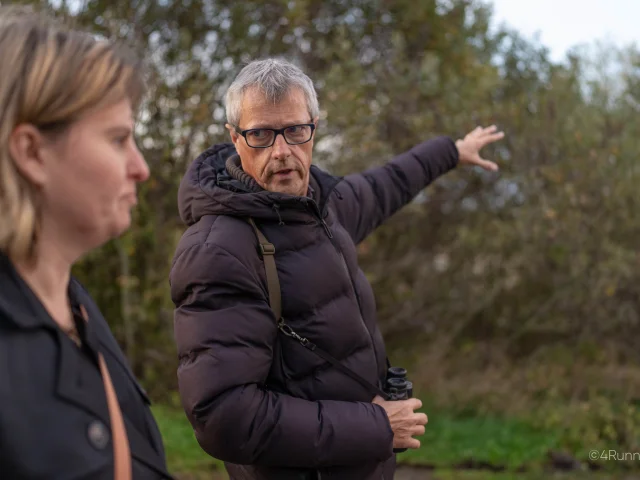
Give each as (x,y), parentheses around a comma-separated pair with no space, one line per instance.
(276,207)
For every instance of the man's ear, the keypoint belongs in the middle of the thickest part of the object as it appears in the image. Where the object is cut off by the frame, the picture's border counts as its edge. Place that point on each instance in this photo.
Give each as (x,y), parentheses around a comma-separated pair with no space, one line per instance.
(26,145)
(232,132)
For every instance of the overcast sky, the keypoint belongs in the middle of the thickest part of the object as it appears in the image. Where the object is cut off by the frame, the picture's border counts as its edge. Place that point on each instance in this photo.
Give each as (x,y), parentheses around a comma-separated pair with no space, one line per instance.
(565,23)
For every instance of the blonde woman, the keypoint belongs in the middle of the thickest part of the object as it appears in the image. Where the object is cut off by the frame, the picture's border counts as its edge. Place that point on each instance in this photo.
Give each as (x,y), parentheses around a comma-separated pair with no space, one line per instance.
(70,407)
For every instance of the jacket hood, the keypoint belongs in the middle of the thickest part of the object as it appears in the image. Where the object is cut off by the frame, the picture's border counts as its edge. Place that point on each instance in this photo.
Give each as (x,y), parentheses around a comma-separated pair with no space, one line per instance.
(209,189)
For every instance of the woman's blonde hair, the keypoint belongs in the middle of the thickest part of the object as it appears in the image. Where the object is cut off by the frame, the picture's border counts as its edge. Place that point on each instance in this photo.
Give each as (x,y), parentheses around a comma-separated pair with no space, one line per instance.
(51,75)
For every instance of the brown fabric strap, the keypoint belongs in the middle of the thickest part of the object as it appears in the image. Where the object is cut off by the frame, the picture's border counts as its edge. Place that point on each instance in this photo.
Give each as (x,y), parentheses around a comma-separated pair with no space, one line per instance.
(121,451)
(273,284)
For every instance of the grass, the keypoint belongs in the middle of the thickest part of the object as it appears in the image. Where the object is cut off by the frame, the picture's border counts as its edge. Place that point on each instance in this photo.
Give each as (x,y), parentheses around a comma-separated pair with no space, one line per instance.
(185,458)
(452,439)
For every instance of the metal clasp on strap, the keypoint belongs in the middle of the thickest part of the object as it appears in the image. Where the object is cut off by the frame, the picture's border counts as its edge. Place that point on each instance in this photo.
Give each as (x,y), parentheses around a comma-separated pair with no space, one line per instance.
(289,332)
(267,249)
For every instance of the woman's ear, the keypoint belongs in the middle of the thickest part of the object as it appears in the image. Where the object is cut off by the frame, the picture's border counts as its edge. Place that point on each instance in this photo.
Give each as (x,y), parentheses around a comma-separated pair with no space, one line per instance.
(26,144)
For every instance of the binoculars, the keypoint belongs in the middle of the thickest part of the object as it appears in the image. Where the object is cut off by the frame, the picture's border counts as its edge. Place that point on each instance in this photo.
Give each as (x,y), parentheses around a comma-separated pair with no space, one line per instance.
(398,388)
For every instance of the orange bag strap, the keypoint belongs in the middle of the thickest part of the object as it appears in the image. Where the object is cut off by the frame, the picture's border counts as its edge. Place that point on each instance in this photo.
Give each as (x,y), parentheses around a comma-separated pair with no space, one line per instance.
(121,451)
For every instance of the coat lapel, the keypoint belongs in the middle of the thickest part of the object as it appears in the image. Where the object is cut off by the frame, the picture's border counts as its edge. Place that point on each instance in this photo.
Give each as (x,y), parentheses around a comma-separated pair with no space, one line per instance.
(69,389)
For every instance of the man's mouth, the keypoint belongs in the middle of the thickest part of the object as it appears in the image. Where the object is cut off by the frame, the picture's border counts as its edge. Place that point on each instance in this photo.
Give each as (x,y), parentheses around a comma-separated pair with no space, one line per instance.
(284,173)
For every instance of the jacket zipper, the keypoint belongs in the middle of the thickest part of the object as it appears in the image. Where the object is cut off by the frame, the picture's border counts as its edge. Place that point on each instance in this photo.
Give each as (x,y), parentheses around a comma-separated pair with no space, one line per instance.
(327,230)
(346,270)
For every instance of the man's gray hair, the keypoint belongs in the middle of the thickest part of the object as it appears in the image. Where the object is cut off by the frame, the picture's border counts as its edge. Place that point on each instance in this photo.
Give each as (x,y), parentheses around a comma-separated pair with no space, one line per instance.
(275,78)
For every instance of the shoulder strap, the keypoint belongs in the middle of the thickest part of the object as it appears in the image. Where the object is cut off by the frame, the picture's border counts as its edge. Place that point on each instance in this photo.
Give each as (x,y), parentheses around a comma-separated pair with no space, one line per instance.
(121,452)
(268,251)
(273,284)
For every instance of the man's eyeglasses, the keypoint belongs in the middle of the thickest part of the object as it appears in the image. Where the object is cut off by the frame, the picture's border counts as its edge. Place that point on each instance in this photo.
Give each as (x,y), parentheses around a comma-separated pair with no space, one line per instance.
(266,137)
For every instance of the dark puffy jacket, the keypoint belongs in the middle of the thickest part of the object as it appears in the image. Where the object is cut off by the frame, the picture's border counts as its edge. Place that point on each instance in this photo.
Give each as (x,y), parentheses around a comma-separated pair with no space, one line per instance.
(258,400)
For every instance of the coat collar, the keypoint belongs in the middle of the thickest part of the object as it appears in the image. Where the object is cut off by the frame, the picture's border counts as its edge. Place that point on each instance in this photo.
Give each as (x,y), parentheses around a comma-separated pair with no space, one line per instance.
(18,303)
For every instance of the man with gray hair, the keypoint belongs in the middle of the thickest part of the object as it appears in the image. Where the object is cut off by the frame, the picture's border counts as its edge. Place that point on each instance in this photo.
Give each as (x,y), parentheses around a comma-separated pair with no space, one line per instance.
(282,367)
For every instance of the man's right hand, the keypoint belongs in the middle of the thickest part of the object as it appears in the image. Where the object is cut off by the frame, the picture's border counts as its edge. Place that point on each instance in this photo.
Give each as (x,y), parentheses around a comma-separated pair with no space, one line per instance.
(405,423)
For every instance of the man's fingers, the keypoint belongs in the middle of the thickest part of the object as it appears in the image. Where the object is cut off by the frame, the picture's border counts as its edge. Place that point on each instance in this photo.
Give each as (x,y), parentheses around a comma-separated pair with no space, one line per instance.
(418,430)
(487,165)
(414,443)
(485,136)
(493,137)
(420,418)
(414,403)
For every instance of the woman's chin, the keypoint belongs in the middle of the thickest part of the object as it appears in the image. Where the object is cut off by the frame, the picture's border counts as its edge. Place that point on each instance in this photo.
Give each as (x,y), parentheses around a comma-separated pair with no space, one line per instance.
(119,227)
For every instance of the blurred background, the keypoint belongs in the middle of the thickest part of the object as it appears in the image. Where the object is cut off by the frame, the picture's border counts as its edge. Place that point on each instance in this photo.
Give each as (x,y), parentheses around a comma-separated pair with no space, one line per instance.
(513,298)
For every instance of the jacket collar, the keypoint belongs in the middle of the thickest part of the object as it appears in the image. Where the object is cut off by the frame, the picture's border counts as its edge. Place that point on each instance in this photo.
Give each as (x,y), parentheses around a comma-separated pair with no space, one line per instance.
(18,303)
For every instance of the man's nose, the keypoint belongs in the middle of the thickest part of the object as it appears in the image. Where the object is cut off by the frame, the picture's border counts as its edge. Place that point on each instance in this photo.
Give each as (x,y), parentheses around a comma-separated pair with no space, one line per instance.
(280,148)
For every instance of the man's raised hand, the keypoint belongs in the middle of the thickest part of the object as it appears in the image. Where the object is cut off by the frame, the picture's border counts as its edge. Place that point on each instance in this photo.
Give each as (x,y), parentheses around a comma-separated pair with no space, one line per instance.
(469,147)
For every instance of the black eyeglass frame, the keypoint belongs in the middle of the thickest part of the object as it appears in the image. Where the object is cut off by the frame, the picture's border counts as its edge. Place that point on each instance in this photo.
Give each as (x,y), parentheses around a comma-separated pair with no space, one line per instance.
(276,131)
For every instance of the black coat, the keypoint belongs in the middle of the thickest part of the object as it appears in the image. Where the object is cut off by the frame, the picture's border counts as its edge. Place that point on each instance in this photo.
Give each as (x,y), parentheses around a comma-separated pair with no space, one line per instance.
(54,420)
(260,401)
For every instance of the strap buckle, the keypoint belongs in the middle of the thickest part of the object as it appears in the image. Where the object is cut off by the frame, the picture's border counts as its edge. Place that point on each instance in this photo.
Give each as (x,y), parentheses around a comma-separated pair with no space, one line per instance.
(267,249)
